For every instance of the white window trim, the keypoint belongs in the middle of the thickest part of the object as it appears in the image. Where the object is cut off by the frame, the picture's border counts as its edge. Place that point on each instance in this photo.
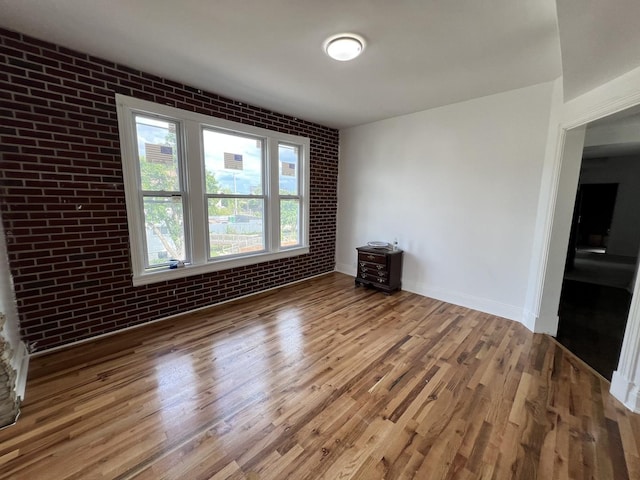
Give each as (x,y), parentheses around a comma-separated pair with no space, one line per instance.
(193,157)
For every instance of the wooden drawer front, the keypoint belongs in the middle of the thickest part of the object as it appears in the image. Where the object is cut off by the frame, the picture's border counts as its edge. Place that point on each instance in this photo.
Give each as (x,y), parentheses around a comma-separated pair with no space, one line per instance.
(372,258)
(373,277)
(373,269)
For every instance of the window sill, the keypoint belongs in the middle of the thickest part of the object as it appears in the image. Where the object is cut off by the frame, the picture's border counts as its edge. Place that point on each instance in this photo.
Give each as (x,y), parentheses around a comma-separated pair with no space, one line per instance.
(164,274)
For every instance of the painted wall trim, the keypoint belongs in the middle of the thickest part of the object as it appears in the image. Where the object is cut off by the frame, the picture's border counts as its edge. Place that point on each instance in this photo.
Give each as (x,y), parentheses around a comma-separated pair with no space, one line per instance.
(612,97)
(557,227)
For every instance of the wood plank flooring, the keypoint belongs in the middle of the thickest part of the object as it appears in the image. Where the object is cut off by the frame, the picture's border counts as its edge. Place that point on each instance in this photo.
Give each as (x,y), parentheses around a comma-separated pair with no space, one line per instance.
(321,380)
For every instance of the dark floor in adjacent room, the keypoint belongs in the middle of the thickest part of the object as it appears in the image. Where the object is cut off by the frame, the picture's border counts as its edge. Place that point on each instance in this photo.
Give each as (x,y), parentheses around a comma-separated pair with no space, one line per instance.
(592,323)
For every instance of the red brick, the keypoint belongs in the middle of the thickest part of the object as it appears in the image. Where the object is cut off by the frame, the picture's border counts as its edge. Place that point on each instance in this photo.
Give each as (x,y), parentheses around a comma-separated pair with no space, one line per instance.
(80,258)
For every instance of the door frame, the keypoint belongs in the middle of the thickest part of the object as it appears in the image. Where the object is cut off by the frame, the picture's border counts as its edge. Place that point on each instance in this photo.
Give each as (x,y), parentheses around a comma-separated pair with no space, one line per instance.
(555,208)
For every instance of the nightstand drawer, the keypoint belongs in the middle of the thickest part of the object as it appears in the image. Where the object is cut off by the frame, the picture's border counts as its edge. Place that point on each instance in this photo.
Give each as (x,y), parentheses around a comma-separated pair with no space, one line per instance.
(372,258)
(372,277)
(373,269)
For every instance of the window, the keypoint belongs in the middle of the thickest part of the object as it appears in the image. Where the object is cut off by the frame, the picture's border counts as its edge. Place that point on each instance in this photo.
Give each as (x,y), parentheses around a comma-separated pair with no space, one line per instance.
(210,193)
(289,192)
(235,192)
(161,189)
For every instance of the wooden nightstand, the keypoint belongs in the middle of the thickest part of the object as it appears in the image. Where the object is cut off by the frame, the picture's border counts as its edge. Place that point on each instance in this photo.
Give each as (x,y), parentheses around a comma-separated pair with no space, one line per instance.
(380,268)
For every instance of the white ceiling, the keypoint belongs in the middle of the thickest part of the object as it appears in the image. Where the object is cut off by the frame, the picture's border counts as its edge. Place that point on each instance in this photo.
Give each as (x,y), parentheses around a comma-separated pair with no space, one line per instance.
(600,41)
(420,53)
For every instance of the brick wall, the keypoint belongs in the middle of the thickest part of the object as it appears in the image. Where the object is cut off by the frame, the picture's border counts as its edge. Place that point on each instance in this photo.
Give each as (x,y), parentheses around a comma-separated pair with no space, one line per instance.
(63,203)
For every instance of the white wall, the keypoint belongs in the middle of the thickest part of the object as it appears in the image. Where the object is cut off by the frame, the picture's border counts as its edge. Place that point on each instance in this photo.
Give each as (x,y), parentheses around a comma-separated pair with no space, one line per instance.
(458,186)
(624,237)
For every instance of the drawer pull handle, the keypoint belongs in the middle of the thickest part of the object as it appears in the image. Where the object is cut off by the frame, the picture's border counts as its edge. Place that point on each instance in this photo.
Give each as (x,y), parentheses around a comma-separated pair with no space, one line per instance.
(380,267)
(380,280)
(371,257)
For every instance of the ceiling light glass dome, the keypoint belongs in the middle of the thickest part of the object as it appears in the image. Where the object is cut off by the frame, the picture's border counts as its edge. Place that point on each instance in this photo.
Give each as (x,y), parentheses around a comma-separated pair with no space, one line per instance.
(344,46)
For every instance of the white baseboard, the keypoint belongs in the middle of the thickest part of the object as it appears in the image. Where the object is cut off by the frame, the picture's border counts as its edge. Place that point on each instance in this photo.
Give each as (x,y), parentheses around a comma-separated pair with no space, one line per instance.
(485,305)
(626,391)
(529,320)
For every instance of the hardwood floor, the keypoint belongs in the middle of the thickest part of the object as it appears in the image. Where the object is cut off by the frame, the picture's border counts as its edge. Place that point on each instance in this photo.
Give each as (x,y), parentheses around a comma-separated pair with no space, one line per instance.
(321,380)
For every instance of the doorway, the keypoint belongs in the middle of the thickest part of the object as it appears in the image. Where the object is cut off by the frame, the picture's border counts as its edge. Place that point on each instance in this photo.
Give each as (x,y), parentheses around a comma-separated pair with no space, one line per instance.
(596,290)
(615,100)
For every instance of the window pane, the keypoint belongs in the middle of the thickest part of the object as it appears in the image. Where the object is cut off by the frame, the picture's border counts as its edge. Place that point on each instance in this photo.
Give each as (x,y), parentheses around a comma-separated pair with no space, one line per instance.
(233,163)
(236,226)
(289,222)
(288,169)
(158,154)
(164,225)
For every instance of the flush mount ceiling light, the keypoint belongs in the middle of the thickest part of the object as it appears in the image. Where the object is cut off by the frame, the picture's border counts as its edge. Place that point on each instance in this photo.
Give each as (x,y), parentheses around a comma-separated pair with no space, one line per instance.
(344,46)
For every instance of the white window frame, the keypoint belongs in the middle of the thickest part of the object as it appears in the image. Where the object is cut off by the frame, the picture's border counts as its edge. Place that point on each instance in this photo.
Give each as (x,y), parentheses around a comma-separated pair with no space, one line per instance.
(194,200)
(297,196)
